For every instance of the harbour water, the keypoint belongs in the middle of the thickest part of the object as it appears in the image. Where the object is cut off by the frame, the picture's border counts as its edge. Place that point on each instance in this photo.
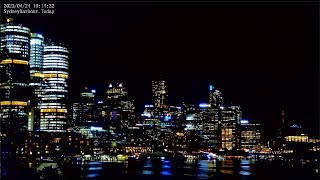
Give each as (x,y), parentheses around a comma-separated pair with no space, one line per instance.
(196,169)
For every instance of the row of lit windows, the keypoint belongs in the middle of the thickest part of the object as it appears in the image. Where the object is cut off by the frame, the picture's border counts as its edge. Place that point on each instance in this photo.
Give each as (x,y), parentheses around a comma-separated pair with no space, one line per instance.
(55,48)
(54,110)
(36,42)
(56,66)
(4,28)
(13,103)
(14,61)
(55,90)
(55,72)
(52,123)
(52,106)
(54,61)
(51,75)
(53,56)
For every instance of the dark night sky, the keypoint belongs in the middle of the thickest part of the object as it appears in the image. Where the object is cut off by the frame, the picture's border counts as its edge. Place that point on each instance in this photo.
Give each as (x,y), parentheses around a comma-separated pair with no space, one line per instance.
(262,56)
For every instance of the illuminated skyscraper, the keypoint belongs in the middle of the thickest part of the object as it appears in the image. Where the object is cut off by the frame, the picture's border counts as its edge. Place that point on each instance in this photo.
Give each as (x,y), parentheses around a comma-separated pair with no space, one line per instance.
(53,105)
(115,94)
(36,78)
(120,107)
(250,135)
(14,78)
(215,97)
(85,111)
(159,93)
(220,127)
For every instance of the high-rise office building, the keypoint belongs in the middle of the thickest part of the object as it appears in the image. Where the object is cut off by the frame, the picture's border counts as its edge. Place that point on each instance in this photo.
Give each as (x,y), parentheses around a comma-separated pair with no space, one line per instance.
(120,107)
(85,111)
(14,78)
(220,127)
(116,92)
(250,135)
(159,93)
(220,123)
(53,105)
(215,97)
(36,79)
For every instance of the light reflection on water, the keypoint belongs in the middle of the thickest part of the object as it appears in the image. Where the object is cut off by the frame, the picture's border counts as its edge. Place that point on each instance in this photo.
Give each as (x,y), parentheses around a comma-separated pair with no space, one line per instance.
(200,169)
(166,173)
(92,175)
(146,172)
(94,169)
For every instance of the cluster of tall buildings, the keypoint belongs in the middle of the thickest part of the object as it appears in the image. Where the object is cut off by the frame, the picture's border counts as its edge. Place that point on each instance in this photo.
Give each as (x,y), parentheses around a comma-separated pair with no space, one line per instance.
(38,118)
(211,126)
(33,84)
(34,98)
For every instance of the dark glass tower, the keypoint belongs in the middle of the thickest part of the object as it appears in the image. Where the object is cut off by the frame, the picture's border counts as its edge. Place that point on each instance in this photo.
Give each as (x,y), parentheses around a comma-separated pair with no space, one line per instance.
(14,76)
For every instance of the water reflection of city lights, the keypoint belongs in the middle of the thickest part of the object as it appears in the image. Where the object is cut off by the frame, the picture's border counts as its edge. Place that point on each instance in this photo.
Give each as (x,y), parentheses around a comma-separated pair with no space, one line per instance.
(92,175)
(226,171)
(245,162)
(147,165)
(203,169)
(166,173)
(94,163)
(146,172)
(245,173)
(95,168)
(167,161)
(245,168)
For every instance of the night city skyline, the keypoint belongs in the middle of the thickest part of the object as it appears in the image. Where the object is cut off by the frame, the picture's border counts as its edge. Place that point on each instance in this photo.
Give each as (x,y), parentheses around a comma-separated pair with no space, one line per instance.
(159,89)
(262,62)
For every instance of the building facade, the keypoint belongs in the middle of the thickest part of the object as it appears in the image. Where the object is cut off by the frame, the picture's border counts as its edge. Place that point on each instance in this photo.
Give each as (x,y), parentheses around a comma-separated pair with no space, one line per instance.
(159,93)
(250,135)
(36,79)
(53,105)
(14,78)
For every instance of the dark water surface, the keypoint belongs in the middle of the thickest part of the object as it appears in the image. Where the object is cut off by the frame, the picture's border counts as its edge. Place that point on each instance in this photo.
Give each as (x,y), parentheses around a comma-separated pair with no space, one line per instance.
(167,169)
(201,169)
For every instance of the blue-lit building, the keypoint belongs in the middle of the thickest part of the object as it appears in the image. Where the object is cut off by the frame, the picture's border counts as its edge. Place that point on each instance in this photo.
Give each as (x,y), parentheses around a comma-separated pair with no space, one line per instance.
(14,77)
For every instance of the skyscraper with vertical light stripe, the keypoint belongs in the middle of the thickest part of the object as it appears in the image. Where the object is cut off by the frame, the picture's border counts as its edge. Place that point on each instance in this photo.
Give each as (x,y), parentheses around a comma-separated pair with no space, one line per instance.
(36,79)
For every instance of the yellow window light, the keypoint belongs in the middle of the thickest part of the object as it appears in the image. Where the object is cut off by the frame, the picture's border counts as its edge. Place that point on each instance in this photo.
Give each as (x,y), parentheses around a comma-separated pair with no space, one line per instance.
(6,61)
(14,61)
(48,110)
(63,76)
(38,75)
(62,110)
(13,103)
(20,62)
(50,75)
(55,75)
(54,110)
